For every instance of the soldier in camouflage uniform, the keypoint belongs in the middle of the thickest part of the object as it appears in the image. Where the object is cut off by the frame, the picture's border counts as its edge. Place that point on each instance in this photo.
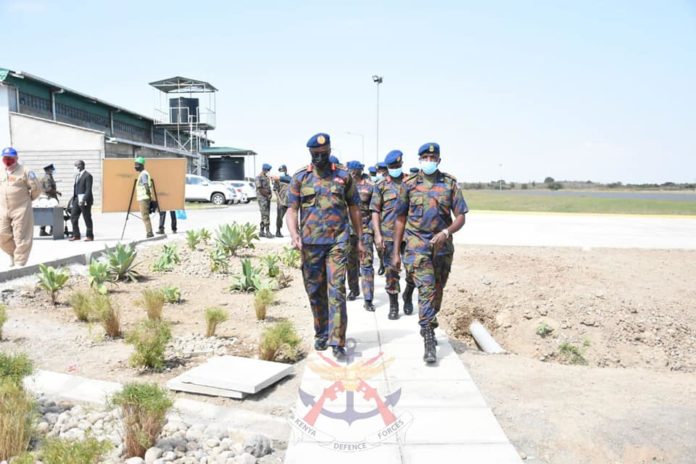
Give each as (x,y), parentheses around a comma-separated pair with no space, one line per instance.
(263,191)
(367,272)
(427,202)
(353,264)
(324,196)
(280,185)
(48,185)
(383,206)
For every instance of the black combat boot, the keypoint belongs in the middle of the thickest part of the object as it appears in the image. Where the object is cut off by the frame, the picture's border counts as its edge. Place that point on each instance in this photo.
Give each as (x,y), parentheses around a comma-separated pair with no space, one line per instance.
(352,295)
(278,234)
(408,299)
(429,352)
(369,306)
(339,353)
(320,344)
(393,306)
(268,232)
(380,271)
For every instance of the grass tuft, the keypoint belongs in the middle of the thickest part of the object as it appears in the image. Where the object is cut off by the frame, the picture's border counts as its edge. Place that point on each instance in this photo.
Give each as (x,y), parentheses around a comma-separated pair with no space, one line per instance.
(153,302)
(150,340)
(280,342)
(214,317)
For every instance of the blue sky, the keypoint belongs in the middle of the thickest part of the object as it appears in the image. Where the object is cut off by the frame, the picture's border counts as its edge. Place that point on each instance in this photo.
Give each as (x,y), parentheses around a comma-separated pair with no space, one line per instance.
(585,89)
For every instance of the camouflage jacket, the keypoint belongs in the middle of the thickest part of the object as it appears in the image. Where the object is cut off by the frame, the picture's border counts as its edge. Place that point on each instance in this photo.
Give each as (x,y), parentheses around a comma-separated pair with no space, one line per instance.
(322,200)
(280,187)
(263,186)
(384,200)
(365,188)
(429,203)
(48,185)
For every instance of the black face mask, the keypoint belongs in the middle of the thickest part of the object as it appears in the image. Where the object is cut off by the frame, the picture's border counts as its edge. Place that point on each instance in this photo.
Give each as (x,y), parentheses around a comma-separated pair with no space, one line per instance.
(320,160)
(138,167)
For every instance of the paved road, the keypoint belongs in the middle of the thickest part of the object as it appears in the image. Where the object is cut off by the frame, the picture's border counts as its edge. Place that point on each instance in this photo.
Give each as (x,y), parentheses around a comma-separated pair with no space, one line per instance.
(482,228)
(666,196)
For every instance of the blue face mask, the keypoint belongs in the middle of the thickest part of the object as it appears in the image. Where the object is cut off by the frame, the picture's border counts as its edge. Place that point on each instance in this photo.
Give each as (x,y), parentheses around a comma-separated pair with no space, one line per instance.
(374,178)
(395,172)
(428,167)
(380,177)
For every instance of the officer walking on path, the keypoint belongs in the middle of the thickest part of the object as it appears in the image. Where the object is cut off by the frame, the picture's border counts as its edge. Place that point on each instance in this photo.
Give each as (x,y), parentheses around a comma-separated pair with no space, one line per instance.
(281,188)
(427,202)
(143,193)
(383,206)
(353,265)
(324,196)
(81,203)
(48,185)
(18,188)
(263,189)
(367,272)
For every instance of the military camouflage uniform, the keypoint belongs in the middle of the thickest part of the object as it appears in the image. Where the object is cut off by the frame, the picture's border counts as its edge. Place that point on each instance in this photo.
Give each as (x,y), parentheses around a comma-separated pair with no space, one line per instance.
(263,190)
(384,202)
(429,203)
(367,271)
(281,188)
(322,199)
(48,185)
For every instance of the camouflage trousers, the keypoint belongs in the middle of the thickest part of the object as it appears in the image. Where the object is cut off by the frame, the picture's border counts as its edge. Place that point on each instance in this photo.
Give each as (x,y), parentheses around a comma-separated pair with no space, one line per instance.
(362,267)
(265,207)
(390,274)
(280,214)
(430,275)
(324,276)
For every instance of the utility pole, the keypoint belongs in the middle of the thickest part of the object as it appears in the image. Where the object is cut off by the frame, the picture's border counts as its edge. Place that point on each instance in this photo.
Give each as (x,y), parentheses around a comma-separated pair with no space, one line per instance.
(377,80)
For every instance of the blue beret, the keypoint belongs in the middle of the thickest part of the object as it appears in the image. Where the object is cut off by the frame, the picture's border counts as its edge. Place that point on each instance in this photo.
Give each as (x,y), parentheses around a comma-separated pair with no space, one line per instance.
(9,151)
(432,148)
(319,140)
(372,170)
(381,165)
(354,165)
(266,167)
(334,160)
(393,156)
(362,166)
(414,170)
(283,168)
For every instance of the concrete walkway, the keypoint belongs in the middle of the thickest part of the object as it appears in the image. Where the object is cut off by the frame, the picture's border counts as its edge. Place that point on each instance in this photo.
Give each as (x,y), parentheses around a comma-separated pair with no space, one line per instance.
(430,414)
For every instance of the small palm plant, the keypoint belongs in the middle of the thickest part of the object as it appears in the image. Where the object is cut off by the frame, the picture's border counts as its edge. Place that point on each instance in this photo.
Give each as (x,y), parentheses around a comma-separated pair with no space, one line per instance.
(270,263)
(229,238)
(249,234)
(214,317)
(52,280)
(193,238)
(219,261)
(98,275)
(248,281)
(121,263)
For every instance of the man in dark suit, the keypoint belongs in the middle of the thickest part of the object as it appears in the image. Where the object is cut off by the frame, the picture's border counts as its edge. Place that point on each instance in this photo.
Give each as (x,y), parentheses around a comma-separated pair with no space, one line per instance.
(81,203)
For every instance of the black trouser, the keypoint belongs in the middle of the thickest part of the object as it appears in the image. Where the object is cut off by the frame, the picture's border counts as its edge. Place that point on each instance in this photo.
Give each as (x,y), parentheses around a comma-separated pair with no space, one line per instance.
(86,212)
(281,213)
(163,217)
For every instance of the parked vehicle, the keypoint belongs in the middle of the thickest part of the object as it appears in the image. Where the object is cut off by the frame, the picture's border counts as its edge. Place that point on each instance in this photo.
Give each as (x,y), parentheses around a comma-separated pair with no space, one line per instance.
(199,188)
(245,187)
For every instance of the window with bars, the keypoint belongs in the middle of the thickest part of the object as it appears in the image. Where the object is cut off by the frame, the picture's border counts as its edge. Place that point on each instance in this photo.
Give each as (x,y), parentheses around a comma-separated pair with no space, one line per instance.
(131,132)
(81,117)
(37,106)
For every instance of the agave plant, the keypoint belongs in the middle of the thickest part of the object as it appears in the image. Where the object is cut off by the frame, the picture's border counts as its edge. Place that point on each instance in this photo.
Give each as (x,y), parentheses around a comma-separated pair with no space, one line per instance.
(193,238)
(249,280)
(52,280)
(249,234)
(290,257)
(270,263)
(171,294)
(229,238)
(219,261)
(205,235)
(121,263)
(167,260)
(98,276)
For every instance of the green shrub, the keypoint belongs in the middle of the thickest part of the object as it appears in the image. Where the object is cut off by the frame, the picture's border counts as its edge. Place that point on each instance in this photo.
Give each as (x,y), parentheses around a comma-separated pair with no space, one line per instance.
(229,239)
(270,264)
(3,317)
(264,296)
(219,260)
(81,303)
(61,451)
(571,354)
(121,263)
(144,408)
(14,367)
(249,235)
(150,339)
(249,280)
(205,235)
(283,279)
(171,294)
(24,458)
(153,302)
(290,257)
(193,238)
(167,259)
(17,412)
(52,280)
(544,330)
(98,276)
(214,317)
(280,342)
(108,315)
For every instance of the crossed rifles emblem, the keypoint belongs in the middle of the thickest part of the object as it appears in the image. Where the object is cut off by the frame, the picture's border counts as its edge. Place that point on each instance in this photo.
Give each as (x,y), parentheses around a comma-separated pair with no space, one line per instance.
(350,379)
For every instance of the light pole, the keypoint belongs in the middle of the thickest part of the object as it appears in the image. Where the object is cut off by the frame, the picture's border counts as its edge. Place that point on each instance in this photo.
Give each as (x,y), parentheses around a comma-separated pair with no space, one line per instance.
(362,138)
(500,180)
(377,80)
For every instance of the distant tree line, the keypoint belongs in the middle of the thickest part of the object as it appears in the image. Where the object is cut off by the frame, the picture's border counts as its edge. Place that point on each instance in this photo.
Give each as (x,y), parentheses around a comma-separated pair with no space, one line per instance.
(553,184)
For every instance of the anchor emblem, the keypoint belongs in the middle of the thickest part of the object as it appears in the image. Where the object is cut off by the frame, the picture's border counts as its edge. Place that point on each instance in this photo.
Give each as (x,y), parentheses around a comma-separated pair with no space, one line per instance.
(350,379)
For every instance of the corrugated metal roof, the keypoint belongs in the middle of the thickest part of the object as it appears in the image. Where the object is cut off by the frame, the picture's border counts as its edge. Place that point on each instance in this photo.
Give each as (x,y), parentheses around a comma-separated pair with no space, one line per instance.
(183,84)
(227,151)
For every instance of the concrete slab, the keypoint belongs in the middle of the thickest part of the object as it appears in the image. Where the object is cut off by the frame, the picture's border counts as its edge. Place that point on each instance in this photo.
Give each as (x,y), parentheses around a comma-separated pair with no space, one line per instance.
(237,373)
(474,454)
(71,387)
(442,394)
(177,384)
(304,453)
(453,425)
